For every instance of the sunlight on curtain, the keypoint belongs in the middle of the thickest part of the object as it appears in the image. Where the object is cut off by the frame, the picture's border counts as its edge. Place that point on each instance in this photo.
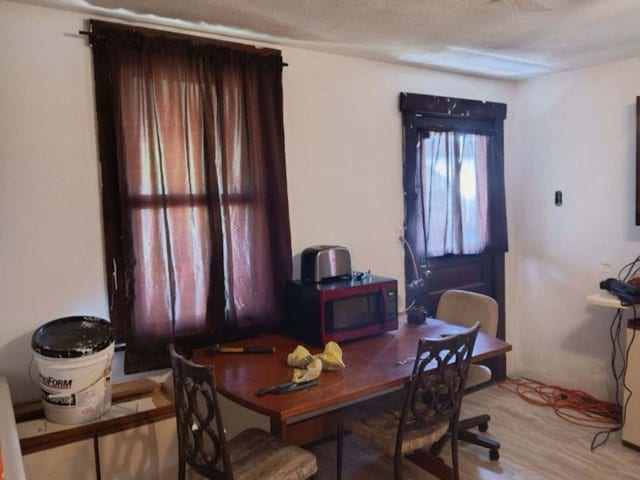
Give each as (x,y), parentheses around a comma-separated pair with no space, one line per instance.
(454,191)
(195,197)
(162,139)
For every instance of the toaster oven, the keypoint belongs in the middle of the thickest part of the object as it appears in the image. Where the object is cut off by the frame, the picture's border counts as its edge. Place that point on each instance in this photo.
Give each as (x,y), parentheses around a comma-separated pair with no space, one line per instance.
(325,263)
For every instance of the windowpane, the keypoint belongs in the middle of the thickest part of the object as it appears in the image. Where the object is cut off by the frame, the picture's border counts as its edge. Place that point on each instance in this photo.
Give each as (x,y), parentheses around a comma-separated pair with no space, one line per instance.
(171,270)
(454,192)
(197,238)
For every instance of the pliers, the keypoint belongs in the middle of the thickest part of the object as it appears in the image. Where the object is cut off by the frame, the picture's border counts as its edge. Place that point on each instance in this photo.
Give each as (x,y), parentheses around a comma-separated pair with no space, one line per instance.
(286,387)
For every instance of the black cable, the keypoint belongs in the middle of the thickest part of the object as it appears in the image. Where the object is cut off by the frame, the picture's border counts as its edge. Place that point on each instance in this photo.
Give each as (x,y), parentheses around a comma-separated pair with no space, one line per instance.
(631,270)
(626,362)
(614,334)
(626,273)
(616,347)
(633,273)
(616,339)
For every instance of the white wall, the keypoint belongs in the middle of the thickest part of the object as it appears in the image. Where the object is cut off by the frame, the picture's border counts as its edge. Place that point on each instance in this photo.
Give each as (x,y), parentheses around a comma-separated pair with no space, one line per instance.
(573,132)
(51,261)
(343,146)
(343,133)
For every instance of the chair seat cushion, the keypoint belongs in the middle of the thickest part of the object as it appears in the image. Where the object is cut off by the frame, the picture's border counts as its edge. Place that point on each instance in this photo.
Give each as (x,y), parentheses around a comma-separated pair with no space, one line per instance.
(256,454)
(478,374)
(377,420)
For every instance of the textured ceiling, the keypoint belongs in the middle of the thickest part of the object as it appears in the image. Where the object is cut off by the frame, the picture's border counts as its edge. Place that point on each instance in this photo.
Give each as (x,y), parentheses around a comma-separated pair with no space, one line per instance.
(509,39)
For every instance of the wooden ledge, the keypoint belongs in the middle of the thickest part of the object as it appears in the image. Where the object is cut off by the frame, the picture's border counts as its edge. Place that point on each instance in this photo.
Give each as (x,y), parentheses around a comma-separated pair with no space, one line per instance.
(134,403)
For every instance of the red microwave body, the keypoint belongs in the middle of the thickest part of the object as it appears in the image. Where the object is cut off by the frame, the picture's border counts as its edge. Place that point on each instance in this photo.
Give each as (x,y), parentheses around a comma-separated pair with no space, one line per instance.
(342,310)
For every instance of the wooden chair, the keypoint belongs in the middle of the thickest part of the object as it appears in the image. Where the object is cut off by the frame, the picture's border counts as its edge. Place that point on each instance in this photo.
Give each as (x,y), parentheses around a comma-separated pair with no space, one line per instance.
(250,455)
(465,308)
(401,422)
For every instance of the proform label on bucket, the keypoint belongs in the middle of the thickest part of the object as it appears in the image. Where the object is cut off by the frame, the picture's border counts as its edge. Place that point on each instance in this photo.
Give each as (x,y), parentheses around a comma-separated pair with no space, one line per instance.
(57,383)
(73,356)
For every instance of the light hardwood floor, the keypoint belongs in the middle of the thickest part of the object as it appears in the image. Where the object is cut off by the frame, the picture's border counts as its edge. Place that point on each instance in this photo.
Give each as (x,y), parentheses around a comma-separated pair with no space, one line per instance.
(536,445)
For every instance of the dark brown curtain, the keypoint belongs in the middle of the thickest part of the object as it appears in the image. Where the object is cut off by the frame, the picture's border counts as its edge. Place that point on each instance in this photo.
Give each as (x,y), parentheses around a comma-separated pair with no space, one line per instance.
(195,202)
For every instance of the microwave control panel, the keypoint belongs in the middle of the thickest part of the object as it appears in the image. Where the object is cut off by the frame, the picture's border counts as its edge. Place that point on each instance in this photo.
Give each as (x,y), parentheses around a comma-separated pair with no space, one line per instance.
(392,305)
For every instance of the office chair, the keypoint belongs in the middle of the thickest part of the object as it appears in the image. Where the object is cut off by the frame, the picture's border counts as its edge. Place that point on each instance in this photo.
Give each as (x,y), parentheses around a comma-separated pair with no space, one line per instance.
(427,410)
(202,442)
(464,308)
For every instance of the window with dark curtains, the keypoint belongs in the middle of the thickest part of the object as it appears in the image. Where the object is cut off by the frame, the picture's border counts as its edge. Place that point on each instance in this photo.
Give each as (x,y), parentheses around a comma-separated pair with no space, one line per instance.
(440,130)
(195,207)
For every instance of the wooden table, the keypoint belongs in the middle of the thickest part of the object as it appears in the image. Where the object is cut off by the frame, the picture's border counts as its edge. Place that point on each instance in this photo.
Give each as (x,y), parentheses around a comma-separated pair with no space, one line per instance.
(374,365)
(371,369)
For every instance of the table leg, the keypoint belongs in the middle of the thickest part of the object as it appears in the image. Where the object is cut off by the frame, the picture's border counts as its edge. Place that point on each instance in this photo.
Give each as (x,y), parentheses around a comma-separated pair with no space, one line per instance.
(278,427)
(431,464)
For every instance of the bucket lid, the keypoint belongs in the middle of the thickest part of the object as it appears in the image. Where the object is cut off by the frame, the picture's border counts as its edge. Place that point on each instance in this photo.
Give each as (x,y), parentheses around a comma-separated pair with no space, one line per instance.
(71,337)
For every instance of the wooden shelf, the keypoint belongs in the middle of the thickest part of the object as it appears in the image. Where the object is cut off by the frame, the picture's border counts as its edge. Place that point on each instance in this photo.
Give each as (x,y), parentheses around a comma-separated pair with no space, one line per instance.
(603,298)
(134,403)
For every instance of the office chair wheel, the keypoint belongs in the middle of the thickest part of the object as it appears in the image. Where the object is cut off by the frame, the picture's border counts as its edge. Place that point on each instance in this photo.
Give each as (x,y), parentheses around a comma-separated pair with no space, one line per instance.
(483,427)
(494,454)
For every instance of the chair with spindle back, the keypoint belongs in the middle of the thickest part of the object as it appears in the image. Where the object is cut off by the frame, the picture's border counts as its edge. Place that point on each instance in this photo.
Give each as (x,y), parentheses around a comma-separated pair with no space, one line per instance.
(203,446)
(425,411)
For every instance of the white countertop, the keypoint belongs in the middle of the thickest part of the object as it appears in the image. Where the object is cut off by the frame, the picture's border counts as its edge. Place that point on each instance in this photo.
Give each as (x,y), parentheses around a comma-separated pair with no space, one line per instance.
(9,441)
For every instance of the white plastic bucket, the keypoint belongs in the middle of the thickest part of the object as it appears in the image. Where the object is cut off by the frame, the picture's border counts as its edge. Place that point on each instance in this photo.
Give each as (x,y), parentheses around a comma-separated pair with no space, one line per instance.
(73,358)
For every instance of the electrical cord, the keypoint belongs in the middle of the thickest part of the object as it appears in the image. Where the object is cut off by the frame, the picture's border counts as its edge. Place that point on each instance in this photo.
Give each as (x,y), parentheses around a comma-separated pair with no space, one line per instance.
(618,373)
(630,270)
(574,406)
(415,269)
(616,342)
(578,407)
(626,274)
(413,258)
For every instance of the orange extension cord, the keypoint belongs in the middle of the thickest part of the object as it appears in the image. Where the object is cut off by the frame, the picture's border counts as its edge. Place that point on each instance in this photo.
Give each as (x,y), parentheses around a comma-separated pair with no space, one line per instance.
(574,406)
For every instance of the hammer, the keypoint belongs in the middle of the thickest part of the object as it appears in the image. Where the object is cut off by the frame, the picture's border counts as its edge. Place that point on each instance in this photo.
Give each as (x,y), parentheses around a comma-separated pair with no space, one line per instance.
(222,349)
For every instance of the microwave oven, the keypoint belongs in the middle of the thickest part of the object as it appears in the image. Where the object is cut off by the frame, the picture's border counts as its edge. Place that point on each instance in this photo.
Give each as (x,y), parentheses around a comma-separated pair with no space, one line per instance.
(342,310)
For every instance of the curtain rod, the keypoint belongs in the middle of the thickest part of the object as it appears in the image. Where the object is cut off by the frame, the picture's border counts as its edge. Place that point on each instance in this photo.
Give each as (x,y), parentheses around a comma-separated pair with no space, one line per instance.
(91,35)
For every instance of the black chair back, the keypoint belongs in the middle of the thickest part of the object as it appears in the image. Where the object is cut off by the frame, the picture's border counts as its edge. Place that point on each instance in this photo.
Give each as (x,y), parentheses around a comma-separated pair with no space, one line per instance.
(437,383)
(201,435)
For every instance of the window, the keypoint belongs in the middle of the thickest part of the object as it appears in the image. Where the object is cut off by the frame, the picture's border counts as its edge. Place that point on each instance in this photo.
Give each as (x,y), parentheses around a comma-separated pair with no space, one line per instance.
(453,176)
(195,207)
(453,180)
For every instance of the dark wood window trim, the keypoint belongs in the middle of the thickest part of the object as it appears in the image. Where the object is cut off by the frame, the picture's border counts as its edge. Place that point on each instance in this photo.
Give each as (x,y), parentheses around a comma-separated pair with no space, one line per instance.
(450,107)
(450,113)
(637,160)
(95,26)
